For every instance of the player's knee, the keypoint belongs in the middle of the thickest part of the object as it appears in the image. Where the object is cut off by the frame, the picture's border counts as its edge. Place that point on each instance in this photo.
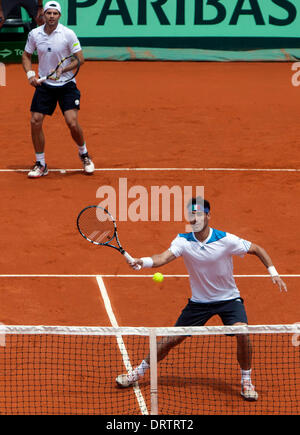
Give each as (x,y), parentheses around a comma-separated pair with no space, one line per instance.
(37,120)
(72,124)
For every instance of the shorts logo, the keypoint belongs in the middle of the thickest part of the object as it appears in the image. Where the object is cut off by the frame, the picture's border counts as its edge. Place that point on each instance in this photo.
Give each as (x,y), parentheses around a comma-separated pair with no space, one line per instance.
(77,102)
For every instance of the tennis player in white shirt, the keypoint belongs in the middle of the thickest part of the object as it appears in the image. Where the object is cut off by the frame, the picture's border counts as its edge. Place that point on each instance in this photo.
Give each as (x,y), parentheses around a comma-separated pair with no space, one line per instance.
(207,254)
(53,41)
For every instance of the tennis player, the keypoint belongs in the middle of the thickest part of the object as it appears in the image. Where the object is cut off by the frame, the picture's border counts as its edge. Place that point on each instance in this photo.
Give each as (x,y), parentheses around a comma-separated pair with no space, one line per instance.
(207,254)
(33,7)
(53,41)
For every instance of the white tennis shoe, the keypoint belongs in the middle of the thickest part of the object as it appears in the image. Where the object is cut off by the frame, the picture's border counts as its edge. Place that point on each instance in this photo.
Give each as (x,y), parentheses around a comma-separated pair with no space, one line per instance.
(128,379)
(88,165)
(248,391)
(38,171)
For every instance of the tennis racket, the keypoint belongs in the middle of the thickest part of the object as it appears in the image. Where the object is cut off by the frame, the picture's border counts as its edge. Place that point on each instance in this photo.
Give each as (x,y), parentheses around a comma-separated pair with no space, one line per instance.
(62,64)
(98,226)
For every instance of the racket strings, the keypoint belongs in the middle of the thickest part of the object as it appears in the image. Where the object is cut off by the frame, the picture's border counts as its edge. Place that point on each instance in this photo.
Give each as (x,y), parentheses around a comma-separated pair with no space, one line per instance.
(64,63)
(96,225)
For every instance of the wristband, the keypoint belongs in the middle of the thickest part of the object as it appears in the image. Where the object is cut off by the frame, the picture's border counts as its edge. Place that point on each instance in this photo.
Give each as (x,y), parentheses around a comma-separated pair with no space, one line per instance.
(272,271)
(30,74)
(147,262)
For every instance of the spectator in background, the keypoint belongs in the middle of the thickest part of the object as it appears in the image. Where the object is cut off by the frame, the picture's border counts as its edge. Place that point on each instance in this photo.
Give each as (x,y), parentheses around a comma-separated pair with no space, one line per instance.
(33,7)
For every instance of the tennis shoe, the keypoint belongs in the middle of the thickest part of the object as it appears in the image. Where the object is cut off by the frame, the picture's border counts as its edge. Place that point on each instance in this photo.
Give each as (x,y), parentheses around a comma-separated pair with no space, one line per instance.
(38,171)
(88,165)
(127,379)
(248,391)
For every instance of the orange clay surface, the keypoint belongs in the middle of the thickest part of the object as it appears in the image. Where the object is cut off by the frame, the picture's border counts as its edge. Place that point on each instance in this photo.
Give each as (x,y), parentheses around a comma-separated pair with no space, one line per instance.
(150,115)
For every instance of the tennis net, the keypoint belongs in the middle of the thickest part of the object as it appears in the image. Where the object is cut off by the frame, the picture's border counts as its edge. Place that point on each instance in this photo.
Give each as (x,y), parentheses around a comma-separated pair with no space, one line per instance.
(72,370)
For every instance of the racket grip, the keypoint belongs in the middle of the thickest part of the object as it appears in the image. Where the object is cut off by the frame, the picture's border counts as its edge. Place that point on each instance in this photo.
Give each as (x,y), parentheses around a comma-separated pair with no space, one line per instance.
(42,79)
(131,260)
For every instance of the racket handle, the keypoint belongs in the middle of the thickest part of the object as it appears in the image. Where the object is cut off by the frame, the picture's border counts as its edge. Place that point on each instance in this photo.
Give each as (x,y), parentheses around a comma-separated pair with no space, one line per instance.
(131,260)
(42,79)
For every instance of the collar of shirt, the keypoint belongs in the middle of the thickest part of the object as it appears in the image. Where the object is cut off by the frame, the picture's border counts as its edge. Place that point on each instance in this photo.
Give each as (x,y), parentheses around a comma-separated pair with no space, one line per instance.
(204,241)
(57,30)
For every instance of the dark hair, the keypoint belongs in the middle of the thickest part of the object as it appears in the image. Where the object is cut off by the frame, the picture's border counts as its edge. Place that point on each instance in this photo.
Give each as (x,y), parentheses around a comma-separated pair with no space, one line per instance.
(199,201)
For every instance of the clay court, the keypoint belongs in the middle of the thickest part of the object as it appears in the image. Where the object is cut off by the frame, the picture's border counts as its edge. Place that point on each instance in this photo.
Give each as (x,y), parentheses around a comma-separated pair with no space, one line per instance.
(230,127)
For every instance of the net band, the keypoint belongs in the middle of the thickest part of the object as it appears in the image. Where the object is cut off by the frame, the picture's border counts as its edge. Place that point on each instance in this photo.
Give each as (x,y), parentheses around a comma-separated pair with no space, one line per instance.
(144,331)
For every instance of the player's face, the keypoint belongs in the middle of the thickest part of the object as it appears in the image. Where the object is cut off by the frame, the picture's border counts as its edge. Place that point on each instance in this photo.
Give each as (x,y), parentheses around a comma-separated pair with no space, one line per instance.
(199,220)
(52,17)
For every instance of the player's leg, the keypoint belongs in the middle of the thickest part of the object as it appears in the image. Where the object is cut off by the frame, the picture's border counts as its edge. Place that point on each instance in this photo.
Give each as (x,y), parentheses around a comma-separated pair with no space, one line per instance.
(43,103)
(37,133)
(194,314)
(38,140)
(69,102)
(244,357)
(163,348)
(244,350)
(71,118)
(233,313)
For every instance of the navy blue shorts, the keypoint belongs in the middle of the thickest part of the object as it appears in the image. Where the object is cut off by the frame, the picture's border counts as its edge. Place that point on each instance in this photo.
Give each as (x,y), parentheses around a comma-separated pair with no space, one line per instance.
(197,314)
(46,98)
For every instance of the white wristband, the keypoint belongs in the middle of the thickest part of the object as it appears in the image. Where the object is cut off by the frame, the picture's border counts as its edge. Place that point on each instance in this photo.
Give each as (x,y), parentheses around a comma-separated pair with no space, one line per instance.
(272,271)
(30,74)
(147,262)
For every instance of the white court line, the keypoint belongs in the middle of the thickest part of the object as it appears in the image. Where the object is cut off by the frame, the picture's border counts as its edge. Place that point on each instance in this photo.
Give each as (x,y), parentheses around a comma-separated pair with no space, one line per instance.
(121,344)
(128,276)
(168,169)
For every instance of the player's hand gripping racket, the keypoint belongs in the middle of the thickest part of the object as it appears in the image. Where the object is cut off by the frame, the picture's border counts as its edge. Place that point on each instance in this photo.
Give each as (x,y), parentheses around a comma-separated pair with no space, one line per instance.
(98,226)
(63,63)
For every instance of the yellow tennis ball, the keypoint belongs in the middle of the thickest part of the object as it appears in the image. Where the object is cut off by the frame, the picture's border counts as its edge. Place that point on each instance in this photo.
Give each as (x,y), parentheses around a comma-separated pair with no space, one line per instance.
(158,277)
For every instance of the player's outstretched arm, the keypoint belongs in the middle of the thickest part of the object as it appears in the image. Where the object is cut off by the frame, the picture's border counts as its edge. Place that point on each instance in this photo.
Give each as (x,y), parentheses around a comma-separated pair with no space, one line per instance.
(266,260)
(156,260)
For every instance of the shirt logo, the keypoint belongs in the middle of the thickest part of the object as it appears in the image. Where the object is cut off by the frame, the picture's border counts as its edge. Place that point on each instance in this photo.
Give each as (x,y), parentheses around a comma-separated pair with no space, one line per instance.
(49,49)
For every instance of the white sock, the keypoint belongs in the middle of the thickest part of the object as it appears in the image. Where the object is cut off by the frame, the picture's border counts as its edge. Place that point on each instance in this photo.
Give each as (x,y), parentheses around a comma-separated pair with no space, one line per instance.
(40,157)
(246,375)
(83,149)
(142,368)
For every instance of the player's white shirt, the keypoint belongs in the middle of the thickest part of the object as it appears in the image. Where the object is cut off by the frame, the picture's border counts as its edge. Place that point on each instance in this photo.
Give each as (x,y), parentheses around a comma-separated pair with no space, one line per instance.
(209,264)
(52,48)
